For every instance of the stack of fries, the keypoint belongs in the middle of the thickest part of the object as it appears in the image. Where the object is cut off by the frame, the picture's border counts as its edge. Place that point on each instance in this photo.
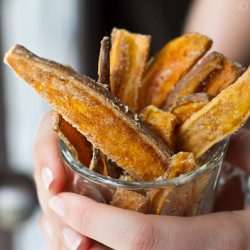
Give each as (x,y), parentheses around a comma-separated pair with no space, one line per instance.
(143,120)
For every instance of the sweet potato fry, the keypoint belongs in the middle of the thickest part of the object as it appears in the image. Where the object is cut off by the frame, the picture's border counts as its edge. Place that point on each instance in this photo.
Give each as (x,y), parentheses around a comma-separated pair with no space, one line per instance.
(169,65)
(104,62)
(130,200)
(128,57)
(194,78)
(161,122)
(181,163)
(219,118)
(75,141)
(188,105)
(80,147)
(222,78)
(93,111)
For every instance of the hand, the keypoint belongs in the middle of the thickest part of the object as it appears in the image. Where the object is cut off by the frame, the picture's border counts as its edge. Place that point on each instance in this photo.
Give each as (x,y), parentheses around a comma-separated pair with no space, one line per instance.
(71,220)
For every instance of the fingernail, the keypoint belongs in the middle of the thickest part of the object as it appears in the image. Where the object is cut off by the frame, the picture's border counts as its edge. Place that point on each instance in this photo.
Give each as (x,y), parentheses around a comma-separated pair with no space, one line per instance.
(47,177)
(57,205)
(72,239)
(48,228)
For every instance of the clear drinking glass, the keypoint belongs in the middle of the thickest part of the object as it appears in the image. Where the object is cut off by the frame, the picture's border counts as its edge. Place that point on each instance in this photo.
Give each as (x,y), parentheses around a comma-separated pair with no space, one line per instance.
(186,195)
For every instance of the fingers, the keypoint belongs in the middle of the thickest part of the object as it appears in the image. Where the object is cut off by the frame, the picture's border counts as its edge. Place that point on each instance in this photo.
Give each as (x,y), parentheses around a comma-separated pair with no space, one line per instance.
(47,158)
(59,236)
(113,227)
(50,174)
(239,150)
(122,229)
(51,242)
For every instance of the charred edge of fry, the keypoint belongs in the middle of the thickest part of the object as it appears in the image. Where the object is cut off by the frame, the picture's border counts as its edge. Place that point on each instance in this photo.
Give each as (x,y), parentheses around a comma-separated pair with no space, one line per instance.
(161,122)
(219,118)
(169,65)
(46,76)
(104,62)
(130,200)
(194,78)
(223,77)
(188,105)
(75,141)
(128,57)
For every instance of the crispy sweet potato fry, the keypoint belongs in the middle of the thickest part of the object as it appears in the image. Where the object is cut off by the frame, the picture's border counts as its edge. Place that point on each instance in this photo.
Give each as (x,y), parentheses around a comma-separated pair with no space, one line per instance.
(161,122)
(93,111)
(222,78)
(130,200)
(188,105)
(169,65)
(181,163)
(78,144)
(104,62)
(128,57)
(195,78)
(219,118)
(75,141)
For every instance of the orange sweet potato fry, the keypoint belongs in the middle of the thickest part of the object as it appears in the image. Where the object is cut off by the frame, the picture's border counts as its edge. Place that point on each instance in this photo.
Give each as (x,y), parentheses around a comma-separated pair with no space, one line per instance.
(130,200)
(80,147)
(188,105)
(161,122)
(128,57)
(181,163)
(169,66)
(195,78)
(93,111)
(222,78)
(219,118)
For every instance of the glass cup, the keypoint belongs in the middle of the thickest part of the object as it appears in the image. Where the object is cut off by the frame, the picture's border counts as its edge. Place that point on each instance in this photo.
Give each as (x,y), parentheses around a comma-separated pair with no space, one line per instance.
(186,195)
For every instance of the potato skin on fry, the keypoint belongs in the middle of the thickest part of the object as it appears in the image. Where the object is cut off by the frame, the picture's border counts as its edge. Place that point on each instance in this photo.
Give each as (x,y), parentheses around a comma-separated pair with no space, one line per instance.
(219,118)
(169,65)
(188,105)
(93,110)
(104,62)
(128,58)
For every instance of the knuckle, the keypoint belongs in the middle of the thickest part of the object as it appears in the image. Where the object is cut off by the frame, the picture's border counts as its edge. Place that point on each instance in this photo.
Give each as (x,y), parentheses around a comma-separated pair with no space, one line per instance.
(145,236)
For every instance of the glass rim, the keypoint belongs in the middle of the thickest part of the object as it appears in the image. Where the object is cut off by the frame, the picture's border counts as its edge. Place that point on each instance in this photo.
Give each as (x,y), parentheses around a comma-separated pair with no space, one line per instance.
(95,177)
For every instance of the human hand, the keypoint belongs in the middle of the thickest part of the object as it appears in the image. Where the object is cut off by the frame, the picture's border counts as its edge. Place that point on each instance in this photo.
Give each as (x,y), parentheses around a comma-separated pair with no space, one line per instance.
(81,219)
